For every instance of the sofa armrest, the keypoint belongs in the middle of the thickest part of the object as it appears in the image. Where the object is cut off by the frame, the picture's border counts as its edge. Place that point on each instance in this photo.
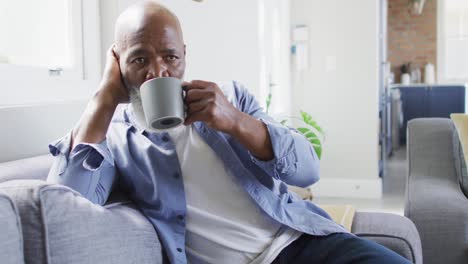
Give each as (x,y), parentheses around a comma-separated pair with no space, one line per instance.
(60,226)
(434,200)
(395,232)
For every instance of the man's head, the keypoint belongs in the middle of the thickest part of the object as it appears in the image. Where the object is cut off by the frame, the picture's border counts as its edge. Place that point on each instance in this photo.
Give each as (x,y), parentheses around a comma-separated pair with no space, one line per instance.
(149,44)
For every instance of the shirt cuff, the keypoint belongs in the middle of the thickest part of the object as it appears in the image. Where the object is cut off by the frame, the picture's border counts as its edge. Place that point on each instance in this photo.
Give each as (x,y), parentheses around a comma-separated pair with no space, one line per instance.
(94,158)
(285,160)
(61,146)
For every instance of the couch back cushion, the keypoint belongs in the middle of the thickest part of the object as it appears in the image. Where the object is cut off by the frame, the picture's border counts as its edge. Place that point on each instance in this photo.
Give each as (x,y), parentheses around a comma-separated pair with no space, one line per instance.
(60,226)
(459,156)
(30,168)
(11,238)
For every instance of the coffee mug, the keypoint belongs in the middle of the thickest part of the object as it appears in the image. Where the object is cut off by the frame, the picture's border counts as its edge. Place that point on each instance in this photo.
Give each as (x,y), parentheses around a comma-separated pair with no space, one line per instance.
(163,102)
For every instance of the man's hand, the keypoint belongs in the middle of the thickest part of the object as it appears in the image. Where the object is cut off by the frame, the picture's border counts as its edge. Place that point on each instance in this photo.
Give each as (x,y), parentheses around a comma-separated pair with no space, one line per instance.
(111,84)
(94,122)
(206,102)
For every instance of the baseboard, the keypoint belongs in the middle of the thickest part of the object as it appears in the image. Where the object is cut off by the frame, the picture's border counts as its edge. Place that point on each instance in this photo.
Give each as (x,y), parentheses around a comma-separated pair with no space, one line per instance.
(341,187)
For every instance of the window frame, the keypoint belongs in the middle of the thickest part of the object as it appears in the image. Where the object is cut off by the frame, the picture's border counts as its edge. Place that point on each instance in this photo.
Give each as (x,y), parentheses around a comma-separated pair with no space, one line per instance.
(441,48)
(25,85)
(42,73)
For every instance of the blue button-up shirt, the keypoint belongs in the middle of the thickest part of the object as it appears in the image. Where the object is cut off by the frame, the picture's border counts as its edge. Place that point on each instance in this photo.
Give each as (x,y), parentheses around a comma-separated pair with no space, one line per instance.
(146,167)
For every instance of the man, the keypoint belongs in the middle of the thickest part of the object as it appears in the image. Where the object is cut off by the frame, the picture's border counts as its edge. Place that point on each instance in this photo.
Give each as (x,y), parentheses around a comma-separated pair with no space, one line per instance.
(214,189)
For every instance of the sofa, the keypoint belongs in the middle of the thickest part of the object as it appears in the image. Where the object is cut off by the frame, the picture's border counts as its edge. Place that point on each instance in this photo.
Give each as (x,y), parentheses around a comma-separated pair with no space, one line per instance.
(50,223)
(434,198)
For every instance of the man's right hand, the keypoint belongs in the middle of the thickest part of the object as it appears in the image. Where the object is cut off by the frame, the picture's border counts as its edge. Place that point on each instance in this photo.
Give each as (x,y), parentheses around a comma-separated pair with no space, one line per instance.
(112,86)
(95,121)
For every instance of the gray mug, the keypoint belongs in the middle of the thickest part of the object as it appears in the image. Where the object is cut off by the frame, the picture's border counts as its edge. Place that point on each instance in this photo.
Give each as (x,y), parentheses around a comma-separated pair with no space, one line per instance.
(163,102)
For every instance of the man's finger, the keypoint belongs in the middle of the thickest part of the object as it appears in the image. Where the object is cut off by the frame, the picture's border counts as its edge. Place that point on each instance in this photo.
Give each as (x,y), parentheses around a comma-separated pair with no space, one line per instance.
(110,50)
(196,95)
(185,84)
(198,84)
(194,117)
(197,106)
(110,54)
(113,52)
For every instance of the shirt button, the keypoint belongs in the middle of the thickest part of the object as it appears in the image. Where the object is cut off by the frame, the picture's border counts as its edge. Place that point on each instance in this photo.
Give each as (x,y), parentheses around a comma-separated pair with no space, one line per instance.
(176,175)
(165,138)
(179,249)
(180,217)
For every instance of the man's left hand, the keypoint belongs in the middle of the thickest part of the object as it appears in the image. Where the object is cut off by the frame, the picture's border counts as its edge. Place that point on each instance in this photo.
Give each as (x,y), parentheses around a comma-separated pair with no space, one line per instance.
(207,103)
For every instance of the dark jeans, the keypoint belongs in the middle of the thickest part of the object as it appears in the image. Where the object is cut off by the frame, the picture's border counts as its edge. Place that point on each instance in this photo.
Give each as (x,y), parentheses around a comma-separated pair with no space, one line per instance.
(337,249)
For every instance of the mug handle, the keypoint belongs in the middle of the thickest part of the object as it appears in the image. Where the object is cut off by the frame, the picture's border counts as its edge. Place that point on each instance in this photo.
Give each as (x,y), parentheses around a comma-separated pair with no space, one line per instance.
(184,94)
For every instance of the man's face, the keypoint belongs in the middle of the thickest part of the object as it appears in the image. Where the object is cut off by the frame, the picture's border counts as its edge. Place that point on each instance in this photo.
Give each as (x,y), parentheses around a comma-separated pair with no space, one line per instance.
(155,50)
(148,45)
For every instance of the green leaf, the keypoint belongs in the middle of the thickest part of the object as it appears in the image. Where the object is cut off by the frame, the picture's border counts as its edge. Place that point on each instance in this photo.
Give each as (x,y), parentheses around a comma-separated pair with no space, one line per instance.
(303,130)
(312,131)
(268,102)
(310,135)
(309,121)
(315,141)
(318,150)
(305,116)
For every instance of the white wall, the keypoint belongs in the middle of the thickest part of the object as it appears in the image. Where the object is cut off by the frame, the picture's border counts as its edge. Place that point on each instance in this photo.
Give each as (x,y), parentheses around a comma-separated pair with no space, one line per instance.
(221,37)
(226,40)
(340,90)
(274,44)
(20,86)
(36,109)
(27,130)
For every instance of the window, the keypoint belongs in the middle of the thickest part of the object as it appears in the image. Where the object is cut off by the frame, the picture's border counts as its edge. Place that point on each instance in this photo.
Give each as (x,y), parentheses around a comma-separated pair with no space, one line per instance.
(452,41)
(51,51)
(41,39)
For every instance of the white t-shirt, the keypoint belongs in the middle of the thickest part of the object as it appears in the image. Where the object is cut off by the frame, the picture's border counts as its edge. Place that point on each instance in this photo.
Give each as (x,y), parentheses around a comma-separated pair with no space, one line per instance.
(223,224)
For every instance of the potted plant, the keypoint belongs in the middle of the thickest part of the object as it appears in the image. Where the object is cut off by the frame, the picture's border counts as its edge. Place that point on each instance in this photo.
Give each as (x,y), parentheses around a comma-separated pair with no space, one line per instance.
(312,131)
(308,127)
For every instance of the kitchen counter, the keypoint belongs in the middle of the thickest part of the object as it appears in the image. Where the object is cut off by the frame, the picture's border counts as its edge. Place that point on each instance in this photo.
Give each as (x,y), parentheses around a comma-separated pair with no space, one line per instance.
(424,100)
(423,85)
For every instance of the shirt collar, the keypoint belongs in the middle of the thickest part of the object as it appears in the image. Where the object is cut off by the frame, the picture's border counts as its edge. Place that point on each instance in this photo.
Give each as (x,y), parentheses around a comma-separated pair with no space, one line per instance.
(130,118)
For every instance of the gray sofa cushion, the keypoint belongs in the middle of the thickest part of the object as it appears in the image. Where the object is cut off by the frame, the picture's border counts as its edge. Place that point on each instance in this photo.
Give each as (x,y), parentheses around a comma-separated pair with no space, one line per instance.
(11,238)
(60,226)
(460,163)
(395,232)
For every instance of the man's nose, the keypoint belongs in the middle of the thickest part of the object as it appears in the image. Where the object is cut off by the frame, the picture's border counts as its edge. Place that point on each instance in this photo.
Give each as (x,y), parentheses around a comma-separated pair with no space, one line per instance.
(157,70)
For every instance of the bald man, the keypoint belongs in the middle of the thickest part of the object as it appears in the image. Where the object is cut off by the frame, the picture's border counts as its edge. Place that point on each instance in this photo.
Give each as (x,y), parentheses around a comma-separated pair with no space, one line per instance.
(215,188)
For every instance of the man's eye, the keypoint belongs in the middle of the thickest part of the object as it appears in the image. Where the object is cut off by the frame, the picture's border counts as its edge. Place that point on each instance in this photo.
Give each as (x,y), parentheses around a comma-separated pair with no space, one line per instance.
(140,60)
(171,58)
